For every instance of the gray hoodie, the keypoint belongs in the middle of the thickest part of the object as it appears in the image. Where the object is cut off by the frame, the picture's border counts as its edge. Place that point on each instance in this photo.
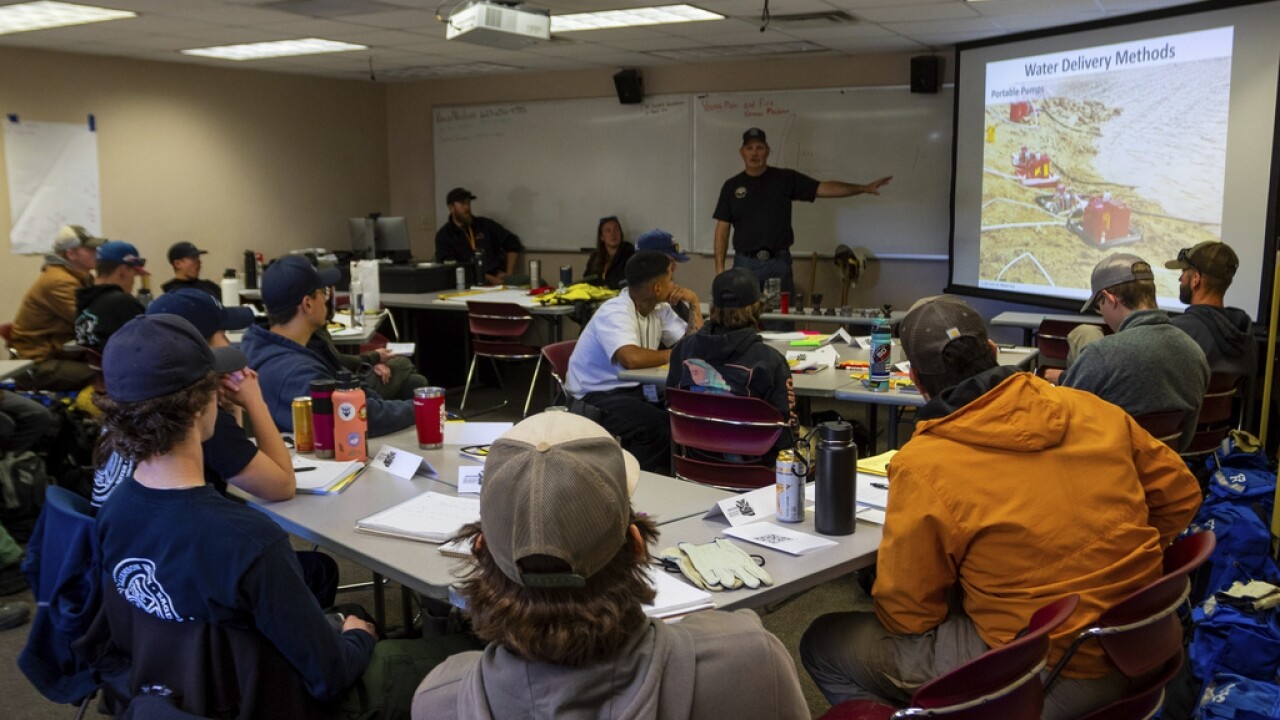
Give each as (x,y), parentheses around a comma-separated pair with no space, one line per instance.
(711,664)
(1147,366)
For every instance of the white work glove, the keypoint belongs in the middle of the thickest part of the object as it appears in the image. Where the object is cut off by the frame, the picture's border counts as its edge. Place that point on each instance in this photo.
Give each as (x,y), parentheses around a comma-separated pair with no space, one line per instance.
(724,565)
(677,556)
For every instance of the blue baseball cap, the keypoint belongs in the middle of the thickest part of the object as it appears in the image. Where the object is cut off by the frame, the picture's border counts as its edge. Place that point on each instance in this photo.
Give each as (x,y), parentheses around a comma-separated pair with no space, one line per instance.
(292,278)
(122,252)
(661,241)
(156,355)
(201,310)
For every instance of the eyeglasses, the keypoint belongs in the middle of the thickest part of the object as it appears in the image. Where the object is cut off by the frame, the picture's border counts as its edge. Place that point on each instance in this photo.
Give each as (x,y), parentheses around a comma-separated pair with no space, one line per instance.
(326,291)
(1184,256)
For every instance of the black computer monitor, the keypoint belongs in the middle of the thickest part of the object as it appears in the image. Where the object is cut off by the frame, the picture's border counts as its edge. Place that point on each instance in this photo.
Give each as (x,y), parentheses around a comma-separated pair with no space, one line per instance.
(393,239)
(363,238)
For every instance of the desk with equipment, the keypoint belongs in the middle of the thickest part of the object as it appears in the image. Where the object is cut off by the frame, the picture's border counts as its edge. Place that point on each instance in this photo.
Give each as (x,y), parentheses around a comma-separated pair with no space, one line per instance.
(678,506)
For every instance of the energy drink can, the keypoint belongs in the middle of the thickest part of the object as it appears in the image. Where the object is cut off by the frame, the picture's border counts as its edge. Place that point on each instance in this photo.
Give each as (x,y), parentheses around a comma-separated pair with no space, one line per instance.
(790,488)
(304,439)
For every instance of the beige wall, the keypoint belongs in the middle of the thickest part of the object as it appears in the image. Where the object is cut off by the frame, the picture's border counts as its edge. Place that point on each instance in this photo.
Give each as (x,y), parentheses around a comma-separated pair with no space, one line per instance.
(413,191)
(228,159)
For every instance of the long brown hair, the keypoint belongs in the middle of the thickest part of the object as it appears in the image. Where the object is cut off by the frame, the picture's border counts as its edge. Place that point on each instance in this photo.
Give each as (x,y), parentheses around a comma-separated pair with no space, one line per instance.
(603,261)
(562,626)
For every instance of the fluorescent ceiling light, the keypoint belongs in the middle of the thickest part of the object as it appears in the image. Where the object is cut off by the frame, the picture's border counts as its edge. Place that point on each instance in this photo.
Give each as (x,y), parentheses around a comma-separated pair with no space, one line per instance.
(278,48)
(46,14)
(724,51)
(633,17)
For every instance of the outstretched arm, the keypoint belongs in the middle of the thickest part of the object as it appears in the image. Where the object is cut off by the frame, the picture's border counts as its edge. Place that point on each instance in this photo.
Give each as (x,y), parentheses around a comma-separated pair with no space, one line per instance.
(837,189)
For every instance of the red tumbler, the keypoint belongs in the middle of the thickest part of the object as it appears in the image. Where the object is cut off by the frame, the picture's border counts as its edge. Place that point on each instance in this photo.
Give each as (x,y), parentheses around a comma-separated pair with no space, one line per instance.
(429,415)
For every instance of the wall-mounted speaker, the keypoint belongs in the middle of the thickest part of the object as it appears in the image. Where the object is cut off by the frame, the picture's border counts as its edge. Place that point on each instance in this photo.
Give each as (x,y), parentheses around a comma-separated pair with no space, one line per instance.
(630,87)
(926,74)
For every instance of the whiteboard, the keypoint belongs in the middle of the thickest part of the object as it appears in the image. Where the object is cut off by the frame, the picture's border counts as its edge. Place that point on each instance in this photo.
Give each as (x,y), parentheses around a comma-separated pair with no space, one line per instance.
(853,135)
(53,181)
(548,171)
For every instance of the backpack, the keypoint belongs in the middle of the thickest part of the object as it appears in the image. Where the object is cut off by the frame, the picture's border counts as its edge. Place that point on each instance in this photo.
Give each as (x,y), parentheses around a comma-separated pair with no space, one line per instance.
(23,482)
(1231,697)
(1231,640)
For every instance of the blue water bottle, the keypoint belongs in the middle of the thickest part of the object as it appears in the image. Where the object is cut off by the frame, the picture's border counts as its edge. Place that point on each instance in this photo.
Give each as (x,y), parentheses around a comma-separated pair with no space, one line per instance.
(881,354)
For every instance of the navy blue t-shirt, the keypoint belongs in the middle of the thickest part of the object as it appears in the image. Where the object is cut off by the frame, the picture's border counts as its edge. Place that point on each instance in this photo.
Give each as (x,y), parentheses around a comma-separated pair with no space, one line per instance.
(226,454)
(193,555)
(759,208)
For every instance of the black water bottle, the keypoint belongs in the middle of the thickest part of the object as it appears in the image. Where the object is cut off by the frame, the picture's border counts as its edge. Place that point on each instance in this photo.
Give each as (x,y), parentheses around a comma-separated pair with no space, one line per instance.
(250,270)
(837,481)
(479,261)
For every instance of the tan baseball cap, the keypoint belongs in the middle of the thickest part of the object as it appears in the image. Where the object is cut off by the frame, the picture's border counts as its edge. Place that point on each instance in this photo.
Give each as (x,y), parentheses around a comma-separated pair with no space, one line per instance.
(74,236)
(556,485)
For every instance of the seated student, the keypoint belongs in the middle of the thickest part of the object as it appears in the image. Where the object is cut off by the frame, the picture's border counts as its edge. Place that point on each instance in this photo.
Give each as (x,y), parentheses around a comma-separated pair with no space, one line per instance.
(1148,365)
(45,321)
(555,586)
(727,355)
(23,423)
(629,332)
(659,240)
(171,546)
(108,304)
(185,259)
(464,234)
(393,377)
(289,355)
(1011,494)
(608,262)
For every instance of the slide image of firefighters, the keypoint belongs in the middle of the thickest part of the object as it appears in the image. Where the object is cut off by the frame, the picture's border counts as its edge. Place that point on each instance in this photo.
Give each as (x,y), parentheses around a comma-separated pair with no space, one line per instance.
(1128,160)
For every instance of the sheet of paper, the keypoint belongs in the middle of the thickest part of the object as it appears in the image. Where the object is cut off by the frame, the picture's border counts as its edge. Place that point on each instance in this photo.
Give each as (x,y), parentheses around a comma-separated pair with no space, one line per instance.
(770,535)
(405,349)
(431,516)
(838,336)
(781,336)
(871,515)
(470,478)
(314,474)
(872,491)
(801,360)
(675,596)
(473,433)
(747,507)
(862,341)
(401,463)
(877,464)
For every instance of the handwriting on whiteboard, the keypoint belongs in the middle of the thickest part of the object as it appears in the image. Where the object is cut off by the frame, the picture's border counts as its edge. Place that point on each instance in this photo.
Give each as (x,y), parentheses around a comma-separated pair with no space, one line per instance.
(754,107)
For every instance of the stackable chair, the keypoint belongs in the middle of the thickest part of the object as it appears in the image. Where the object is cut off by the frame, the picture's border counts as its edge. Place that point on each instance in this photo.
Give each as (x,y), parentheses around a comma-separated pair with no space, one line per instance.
(496,332)
(1164,426)
(1051,342)
(1142,634)
(1217,416)
(557,356)
(1001,683)
(707,423)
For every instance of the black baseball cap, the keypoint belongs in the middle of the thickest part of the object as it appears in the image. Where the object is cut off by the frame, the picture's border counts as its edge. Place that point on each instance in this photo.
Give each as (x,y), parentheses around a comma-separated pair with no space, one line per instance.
(458,195)
(754,134)
(156,355)
(201,310)
(184,249)
(735,288)
(292,278)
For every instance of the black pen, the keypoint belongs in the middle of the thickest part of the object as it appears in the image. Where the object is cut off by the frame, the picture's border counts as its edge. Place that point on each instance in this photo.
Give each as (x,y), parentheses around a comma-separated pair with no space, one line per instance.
(882,486)
(303,469)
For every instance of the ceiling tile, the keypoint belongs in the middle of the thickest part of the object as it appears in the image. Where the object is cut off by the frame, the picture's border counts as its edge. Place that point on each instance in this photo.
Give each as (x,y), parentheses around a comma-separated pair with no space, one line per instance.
(899,13)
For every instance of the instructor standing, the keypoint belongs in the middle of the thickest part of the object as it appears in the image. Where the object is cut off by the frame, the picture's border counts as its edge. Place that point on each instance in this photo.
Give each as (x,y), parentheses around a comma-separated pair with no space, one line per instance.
(757,203)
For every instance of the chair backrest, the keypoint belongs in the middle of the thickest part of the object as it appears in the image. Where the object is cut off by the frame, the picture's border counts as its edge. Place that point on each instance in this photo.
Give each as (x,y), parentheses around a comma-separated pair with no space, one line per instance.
(557,355)
(1140,633)
(1051,342)
(1164,426)
(724,425)
(1144,701)
(1216,416)
(496,319)
(1001,683)
(215,670)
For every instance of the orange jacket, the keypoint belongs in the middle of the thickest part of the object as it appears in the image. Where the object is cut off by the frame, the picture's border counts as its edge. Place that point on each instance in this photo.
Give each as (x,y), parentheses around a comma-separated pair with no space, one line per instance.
(46,318)
(1028,493)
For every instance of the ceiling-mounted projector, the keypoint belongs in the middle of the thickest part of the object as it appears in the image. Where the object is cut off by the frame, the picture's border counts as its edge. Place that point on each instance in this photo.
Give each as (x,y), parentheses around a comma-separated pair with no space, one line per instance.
(506,26)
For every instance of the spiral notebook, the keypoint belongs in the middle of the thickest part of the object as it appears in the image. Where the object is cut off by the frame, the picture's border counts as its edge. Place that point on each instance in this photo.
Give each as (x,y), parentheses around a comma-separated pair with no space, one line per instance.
(430,517)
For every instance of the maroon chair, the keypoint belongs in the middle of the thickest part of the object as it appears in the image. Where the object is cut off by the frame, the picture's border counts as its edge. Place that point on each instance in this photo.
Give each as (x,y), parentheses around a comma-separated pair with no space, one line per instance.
(496,332)
(1003,682)
(1164,426)
(1217,415)
(6,333)
(717,424)
(557,356)
(1142,634)
(1052,346)
(1143,703)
